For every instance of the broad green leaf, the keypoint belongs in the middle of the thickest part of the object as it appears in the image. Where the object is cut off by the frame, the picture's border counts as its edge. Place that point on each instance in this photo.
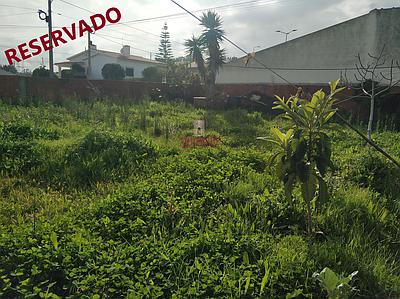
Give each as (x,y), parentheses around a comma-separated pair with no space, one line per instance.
(328,117)
(265,278)
(329,279)
(309,187)
(198,264)
(278,134)
(289,185)
(323,194)
(333,85)
(294,294)
(303,171)
(248,280)
(54,241)
(246,258)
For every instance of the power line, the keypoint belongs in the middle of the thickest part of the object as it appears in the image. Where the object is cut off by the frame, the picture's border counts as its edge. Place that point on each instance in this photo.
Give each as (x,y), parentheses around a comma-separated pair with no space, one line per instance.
(16,14)
(300,69)
(109,36)
(247,4)
(77,6)
(122,24)
(382,151)
(23,26)
(239,48)
(19,7)
(104,36)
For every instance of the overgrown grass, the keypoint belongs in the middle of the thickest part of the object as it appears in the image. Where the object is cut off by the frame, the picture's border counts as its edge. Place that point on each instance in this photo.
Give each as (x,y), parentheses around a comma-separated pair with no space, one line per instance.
(98,200)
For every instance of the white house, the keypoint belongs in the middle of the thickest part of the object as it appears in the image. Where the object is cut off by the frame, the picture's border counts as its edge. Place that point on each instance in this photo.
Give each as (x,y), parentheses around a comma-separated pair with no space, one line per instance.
(133,65)
(325,55)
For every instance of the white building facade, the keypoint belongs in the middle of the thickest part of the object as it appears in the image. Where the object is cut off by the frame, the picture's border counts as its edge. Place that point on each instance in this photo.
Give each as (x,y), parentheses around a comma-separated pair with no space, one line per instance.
(325,55)
(132,64)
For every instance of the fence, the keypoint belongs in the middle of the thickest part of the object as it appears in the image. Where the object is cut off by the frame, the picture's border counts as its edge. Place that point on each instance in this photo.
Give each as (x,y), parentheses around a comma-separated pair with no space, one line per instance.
(230,95)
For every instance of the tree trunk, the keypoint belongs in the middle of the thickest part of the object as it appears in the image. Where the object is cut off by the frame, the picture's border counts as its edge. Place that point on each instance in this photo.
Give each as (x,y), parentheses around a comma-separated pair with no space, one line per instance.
(371,113)
(211,86)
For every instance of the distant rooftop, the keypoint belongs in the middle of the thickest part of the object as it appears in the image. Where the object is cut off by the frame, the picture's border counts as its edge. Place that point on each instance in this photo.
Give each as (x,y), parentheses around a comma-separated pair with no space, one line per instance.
(118,55)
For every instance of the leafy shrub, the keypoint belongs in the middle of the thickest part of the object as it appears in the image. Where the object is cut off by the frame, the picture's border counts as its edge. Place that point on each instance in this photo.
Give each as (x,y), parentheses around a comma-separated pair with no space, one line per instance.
(100,156)
(369,169)
(41,72)
(112,71)
(18,157)
(18,152)
(16,132)
(103,156)
(336,285)
(152,74)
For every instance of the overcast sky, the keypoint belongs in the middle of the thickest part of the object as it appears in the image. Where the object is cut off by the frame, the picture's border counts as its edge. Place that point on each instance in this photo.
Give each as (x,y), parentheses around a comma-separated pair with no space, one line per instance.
(251,25)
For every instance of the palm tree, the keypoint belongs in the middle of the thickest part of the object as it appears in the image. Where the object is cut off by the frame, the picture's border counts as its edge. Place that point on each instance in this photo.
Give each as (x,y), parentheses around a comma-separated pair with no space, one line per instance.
(213,36)
(195,48)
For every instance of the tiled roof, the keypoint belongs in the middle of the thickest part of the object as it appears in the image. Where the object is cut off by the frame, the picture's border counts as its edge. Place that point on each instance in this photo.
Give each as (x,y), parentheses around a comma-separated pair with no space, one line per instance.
(120,56)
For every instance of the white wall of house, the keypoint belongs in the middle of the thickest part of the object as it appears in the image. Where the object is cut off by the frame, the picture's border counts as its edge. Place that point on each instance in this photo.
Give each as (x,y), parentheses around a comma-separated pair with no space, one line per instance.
(329,52)
(99,60)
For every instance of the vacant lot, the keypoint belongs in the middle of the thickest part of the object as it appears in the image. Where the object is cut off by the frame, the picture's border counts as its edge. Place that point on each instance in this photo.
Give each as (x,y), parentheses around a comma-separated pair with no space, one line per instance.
(99,200)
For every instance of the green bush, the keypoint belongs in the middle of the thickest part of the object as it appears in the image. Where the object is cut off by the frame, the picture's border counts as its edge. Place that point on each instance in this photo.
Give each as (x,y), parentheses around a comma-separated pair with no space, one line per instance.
(114,217)
(18,152)
(370,169)
(113,71)
(102,156)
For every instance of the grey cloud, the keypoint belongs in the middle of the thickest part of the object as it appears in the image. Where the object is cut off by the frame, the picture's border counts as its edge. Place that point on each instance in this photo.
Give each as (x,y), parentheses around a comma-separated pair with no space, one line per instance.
(249,27)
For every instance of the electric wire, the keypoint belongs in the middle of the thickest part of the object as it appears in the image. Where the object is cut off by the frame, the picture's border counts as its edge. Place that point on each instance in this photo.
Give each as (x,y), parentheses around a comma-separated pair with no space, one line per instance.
(382,151)
(240,48)
(241,5)
(126,25)
(19,7)
(16,14)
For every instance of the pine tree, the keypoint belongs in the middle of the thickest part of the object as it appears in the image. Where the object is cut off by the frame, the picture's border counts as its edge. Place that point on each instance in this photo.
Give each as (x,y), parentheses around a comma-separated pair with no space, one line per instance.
(165,49)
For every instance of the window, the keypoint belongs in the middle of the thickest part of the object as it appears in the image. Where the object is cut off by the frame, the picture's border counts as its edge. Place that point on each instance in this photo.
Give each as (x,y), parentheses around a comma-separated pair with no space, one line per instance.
(130,72)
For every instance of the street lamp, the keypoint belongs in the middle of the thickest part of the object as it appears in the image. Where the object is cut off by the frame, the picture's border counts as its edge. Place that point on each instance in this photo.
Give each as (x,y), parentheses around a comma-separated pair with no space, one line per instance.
(286,33)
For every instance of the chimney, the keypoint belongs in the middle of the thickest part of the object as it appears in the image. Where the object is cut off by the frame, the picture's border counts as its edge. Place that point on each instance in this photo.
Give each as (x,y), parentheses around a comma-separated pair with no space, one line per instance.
(126,50)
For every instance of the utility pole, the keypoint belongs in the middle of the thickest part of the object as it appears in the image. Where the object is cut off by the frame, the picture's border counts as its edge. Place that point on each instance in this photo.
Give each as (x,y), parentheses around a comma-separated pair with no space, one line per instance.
(89,57)
(50,23)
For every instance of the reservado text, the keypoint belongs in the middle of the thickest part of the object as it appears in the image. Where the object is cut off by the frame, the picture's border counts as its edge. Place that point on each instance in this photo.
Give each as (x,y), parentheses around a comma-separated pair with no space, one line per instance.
(61,36)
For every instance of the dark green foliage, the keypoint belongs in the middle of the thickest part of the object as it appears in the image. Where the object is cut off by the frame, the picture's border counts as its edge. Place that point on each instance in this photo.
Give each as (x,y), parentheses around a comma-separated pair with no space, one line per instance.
(210,44)
(165,49)
(9,68)
(41,72)
(113,71)
(104,214)
(76,71)
(369,169)
(153,74)
(18,152)
(98,157)
(305,150)
(66,74)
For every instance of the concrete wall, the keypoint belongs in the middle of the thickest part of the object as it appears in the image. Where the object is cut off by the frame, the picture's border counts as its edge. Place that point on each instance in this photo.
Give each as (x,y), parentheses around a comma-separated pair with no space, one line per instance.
(322,56)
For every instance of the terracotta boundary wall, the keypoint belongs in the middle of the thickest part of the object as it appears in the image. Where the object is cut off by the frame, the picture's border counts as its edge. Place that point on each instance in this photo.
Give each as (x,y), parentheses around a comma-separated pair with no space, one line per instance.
(12,87)
(231,95)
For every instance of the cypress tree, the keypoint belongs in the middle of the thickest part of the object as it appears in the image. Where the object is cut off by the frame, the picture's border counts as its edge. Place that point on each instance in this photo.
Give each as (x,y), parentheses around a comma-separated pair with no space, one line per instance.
(165,49)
